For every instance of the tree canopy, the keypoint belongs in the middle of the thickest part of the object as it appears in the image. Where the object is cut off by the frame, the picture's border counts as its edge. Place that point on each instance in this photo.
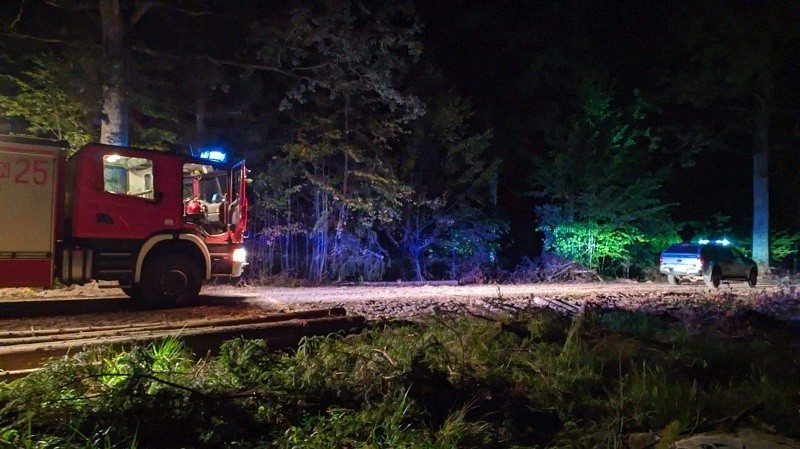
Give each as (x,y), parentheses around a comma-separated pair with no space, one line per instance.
(414,140)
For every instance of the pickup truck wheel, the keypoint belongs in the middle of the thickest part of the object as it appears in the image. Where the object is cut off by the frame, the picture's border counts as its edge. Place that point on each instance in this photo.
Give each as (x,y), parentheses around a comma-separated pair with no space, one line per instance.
(712,280)
(673,280)
(752,278)
(170,280)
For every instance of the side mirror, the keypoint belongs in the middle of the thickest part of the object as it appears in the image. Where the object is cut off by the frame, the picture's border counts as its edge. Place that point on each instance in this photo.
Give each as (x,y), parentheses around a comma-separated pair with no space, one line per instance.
(158,197)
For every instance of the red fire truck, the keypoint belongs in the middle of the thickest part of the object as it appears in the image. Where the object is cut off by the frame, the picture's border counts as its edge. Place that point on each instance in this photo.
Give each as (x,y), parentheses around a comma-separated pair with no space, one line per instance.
(157,223)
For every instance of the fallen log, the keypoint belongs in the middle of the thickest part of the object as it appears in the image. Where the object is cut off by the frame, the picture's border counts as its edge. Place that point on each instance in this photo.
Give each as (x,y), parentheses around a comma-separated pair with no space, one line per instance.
(20,359)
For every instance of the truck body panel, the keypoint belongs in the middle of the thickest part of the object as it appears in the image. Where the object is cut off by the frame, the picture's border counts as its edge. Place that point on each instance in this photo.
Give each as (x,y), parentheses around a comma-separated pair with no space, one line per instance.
(31,212)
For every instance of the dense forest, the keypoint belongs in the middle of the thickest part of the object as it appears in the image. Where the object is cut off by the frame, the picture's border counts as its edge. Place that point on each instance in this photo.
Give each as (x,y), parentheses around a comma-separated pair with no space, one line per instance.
(440,140)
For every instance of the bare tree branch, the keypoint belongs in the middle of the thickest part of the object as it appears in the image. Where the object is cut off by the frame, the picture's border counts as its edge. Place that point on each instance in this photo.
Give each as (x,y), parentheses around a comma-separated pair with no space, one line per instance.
(147,6)
(48,40)
(140,12)
(19,15)
(265,68)
(245,65)
(71,7)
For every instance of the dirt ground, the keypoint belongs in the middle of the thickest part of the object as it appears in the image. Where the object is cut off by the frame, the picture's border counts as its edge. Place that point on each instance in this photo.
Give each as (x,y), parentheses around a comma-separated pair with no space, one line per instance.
(88,305)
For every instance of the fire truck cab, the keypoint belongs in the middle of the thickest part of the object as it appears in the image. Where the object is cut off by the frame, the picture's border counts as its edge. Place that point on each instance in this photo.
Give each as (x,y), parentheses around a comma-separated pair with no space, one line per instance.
(158,223)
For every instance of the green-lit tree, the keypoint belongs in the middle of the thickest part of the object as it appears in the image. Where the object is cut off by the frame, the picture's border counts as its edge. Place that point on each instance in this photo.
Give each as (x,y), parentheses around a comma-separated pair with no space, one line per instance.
(47,78)
(37,97)
(600,186)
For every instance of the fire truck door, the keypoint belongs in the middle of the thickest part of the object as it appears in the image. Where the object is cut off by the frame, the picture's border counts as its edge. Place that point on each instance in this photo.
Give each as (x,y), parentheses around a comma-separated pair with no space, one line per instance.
(130,204)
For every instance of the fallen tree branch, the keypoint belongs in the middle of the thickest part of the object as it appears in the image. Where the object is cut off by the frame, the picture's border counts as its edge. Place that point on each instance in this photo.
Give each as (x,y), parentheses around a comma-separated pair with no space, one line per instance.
(728,422)
(561,271)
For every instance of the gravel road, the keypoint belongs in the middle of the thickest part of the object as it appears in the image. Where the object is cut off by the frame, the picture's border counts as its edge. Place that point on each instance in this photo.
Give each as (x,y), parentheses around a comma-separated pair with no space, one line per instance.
(79,306)
(412,302)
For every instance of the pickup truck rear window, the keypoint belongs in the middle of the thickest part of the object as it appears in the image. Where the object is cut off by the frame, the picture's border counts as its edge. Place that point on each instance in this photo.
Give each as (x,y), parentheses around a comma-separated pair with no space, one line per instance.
(683,248)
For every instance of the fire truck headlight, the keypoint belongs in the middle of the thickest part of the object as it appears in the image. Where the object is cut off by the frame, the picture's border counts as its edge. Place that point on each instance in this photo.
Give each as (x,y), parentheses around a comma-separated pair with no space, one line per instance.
(239,255)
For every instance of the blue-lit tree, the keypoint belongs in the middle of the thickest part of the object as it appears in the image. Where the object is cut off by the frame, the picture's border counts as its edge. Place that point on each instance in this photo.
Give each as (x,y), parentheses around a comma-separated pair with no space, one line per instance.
(342,66)
(448,222)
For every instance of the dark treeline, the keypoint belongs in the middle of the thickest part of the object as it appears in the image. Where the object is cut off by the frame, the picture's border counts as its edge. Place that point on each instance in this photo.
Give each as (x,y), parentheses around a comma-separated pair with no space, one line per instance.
(394,140)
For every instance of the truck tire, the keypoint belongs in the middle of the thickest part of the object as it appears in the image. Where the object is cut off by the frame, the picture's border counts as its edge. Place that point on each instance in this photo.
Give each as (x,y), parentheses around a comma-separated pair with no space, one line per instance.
(132,292)
(170,280)
(673,280)
(752,278)
(713,279)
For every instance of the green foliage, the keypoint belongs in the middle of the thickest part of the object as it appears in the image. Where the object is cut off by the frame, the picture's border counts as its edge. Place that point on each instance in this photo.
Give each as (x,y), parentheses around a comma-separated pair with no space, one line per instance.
(601,145)
(373,156)
(25,439)
(154,138)
(36,96)
(522,380)
(782,244)
(590,244)
(669,435)
(602,245)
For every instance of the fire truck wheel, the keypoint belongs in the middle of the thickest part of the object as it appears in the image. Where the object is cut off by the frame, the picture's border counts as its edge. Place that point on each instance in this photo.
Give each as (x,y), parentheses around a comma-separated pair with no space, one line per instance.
(132,292)
(170,280)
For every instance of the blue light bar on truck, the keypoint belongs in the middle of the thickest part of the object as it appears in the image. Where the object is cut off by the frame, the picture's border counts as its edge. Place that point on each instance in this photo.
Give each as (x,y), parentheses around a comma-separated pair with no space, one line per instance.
(723,242)
(213,155)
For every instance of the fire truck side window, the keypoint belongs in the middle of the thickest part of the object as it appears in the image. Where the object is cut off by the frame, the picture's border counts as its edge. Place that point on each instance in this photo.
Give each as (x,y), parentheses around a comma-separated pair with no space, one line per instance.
(128,175)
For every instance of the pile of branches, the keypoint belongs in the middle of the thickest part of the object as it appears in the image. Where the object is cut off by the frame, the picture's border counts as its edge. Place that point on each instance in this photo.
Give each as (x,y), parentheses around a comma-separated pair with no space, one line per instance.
(551,268)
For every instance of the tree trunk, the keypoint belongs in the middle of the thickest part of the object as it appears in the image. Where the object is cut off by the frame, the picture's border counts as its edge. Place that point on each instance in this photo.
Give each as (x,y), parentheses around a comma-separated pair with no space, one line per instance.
(201,82)
(286,260)
(319,256)
(200,114)
(415,254)
(114,126)
(761,188)
(415,247)
(341,222)
(493,186)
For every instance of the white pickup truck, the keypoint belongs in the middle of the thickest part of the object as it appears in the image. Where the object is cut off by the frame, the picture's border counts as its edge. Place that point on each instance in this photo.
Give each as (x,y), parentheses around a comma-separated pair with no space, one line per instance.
(710,261)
